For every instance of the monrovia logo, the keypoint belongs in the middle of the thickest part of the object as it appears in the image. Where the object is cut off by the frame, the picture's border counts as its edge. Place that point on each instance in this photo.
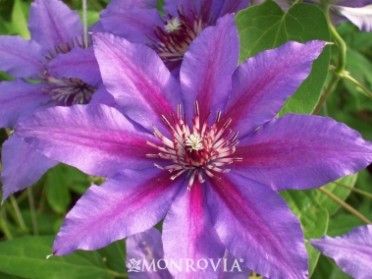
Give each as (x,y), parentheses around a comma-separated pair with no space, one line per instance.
(186,265)
(134,265)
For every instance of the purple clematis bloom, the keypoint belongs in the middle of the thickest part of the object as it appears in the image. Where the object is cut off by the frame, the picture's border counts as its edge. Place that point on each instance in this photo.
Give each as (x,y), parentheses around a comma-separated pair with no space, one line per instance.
(171,34)
(205,151)
(53,68)
(352,251)
(145,259)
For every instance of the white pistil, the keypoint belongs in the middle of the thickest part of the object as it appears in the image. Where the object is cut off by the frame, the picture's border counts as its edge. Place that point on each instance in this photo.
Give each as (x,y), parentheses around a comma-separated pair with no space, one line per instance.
(198,151)
(172,25)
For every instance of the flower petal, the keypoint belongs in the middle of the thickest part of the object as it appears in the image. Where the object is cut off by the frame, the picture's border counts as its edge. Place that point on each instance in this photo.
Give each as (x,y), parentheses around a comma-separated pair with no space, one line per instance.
(256,225)
(301,151)
(188,219)
(208,66)
(20,99)
(263,83)
(352,251)
(22,166)
(18,57)
(361,17)
(138,80)
(52,23)
(145,247)
(130,203)
(97,139)
(209,10)
(78,63)
(140,19)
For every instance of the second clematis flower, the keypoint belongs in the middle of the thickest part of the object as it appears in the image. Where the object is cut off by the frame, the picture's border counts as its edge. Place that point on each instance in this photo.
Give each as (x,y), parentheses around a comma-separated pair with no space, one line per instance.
(205,152)
(55,68)
(170,33)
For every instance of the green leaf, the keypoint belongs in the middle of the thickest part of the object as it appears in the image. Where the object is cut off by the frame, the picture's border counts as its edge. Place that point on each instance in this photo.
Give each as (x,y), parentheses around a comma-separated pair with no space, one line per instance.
(59,181)
(58,195)
(338,190)
(328,269)
(26,258)
(314,219)
(266,26)
(19,20)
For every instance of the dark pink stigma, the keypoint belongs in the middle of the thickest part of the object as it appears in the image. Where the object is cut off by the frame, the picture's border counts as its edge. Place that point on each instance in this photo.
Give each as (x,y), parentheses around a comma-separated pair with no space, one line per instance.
(203,149)
(174,38)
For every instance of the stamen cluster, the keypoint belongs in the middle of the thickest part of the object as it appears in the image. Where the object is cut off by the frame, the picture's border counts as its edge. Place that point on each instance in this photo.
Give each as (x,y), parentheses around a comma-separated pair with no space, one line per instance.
(67,91)
(201,150)
(175,36)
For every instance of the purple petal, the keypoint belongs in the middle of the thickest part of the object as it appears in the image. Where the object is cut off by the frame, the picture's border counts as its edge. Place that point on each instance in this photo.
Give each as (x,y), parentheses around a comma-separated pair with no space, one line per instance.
(208,66)
(352,252)
(131,203)
(361,17)
(145,248)
(301,151)
(101,96)
(140,19)
(138,80)
(209,10)
(235,268)
(19,99)
(97,139)
(188,220)
(256,225)
(78,63)
(52,23)
(263,83)
(18,57)
(22,166)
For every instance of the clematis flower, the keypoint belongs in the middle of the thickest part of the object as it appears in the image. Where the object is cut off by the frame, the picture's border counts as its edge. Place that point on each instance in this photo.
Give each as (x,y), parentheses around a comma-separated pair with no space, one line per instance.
(145,259)
(204,152)
(352,252)
(359,12)
(53,68)
(171,34)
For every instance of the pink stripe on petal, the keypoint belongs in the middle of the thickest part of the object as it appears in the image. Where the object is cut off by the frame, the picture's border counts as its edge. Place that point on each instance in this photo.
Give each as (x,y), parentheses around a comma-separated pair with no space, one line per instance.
(131,203)
(302,151)
(255,224)
(138,80)
(208,66)
(189,220)
(97,139)
(263,83)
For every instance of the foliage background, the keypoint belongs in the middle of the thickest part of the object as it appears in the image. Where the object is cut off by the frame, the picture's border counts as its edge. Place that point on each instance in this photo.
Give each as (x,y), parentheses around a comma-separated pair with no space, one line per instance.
(30,219)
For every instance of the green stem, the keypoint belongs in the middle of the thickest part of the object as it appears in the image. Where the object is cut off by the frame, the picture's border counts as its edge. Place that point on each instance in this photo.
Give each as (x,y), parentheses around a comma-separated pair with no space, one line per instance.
(18,214)
(331,86)
(345,205)
(340,68)
(85,23)
(356,190)
(346,75)
(4,226)
(31,202)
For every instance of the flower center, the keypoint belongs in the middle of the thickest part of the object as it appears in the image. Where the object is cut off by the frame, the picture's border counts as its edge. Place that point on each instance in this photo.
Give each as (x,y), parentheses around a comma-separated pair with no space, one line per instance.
(67,91)
(174,38)
(198,151)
